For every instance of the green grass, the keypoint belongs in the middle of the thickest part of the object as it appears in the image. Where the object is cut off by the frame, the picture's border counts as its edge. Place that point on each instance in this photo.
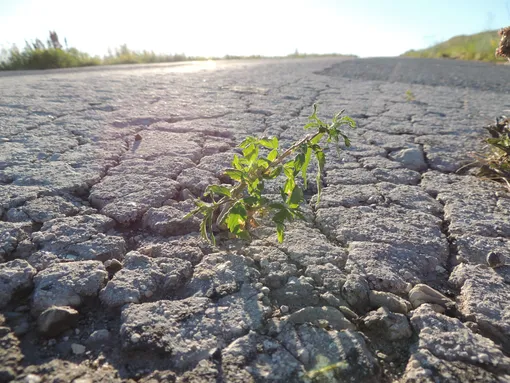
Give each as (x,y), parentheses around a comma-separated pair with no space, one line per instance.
(37,55)
(124,55)
(480,47)
(47,58)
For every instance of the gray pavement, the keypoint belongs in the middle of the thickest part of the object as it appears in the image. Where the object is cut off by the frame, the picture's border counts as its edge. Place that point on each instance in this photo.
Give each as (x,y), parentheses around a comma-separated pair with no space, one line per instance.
(386,281)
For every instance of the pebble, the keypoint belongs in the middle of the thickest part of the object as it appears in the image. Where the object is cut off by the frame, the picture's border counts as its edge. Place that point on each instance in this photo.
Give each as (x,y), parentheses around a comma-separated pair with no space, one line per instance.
(284,309)
(99,336)
(78,349)
(265,290)
(32,378)
(22,328)
(135,338)
(495,259)
(112,265)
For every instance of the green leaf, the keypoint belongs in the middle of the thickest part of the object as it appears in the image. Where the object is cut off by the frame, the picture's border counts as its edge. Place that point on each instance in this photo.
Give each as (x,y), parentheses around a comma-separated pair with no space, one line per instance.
(349,121)
(251,153)
(224,212)
(270,143)
(319,188)
(247,141)
(210,223)
(263,163)
(281,216)
(236,163)
(288,169)
(296,198)
(317,139)
(236,175)
(221,190)
(290,184)
(337,116)
(252,200)
(272,155)
(273,174)
(280,231)
(203,229)
(304,169)
(193,212)
(347,142)
(311,125)
(275,142)
(236,219)
(321,160)
(313,116)
(277,206)
(299,161)
(252,186)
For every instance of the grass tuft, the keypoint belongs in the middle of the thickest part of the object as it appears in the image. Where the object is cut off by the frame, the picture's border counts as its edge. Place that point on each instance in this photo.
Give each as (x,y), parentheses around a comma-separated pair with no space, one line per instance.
(496,164)
(479,47)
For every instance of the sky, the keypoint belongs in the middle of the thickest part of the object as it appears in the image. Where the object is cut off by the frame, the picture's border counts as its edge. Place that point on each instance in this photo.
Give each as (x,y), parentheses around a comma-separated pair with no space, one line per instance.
(366,28)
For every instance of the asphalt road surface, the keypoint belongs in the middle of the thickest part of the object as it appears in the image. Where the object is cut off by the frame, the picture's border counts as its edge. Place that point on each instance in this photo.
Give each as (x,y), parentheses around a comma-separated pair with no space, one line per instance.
(387,279)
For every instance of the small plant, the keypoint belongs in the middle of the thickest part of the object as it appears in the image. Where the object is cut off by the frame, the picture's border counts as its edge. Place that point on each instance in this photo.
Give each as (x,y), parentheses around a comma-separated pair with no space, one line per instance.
(410,96)
(238,207)
(496,165)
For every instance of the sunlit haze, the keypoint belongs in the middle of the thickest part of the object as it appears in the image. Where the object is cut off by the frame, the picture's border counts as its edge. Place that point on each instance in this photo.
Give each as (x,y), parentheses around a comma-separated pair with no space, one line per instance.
(262,27)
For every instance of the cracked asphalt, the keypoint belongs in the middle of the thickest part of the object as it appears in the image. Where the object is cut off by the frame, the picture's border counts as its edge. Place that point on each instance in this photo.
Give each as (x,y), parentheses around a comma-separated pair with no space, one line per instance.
(387,279)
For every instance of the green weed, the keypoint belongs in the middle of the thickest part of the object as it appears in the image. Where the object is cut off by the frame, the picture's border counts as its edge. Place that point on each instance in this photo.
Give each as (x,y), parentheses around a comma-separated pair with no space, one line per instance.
(241,205)
(410,96)
(496,165)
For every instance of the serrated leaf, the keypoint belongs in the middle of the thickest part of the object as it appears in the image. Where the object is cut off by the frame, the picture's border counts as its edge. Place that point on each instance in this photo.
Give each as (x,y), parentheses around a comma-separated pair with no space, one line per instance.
(319,188)
(280,231)
(210,223)
(349,121)
(247,141)
(304,169)
(236,163)
(269,143)
(224,212)
(299,161)
(251,153)
(235,174)
(321,159)
(236,219)
(273,174)
(252,200)
(263,163)
(277,206)
(281,216)
(311,125)
(313,116)
(290,184)
(272,155)
(347,142)
(203,229)
(337,115)
(218,189)
(252,186)
(296,197)
(317,139)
